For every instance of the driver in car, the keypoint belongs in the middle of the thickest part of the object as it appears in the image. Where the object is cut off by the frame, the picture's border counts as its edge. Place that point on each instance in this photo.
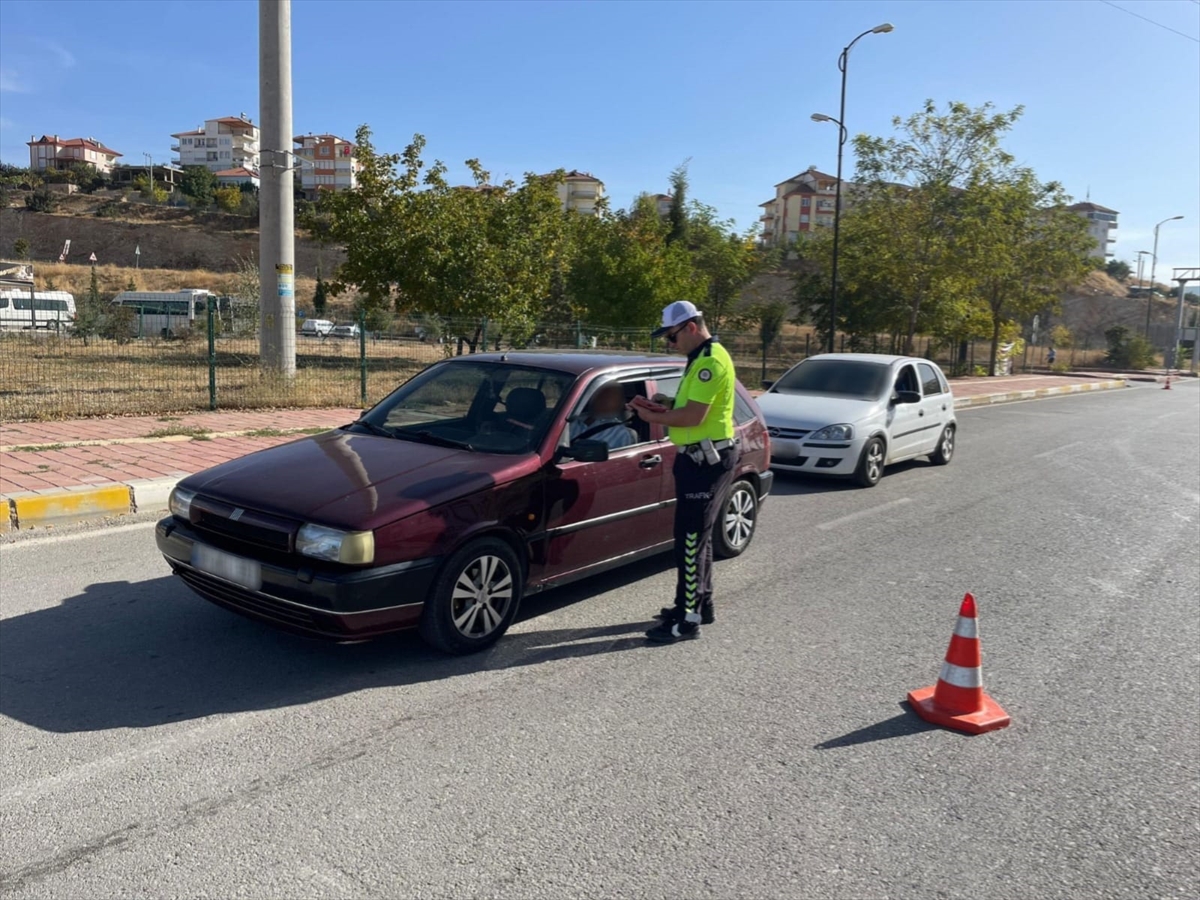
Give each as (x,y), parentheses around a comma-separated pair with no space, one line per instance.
(605,420)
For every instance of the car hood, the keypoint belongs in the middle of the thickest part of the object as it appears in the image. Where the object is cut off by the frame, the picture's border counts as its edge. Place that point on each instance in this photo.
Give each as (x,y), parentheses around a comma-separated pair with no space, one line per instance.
(355,481)
(812,411)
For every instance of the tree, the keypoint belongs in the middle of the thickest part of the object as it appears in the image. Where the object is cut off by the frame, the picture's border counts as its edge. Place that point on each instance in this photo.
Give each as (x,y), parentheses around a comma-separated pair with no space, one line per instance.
(229,198)
(199,185)
(89,313)
(21,248)
(910,188)
(149,190)
(770,318)
(677,215)
(320,296)
(1118,269)
(727,260)
(1020,246)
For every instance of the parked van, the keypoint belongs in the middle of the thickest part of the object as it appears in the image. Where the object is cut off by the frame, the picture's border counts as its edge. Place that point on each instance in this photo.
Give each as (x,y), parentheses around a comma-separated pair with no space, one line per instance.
(316,327)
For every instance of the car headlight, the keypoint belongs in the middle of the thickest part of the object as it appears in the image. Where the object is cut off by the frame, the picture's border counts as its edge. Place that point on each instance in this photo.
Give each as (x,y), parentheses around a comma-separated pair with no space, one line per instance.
(180,502)
(351,547)
(833,433)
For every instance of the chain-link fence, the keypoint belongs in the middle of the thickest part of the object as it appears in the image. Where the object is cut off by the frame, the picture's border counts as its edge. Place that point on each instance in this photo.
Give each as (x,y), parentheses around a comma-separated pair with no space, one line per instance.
(51,373)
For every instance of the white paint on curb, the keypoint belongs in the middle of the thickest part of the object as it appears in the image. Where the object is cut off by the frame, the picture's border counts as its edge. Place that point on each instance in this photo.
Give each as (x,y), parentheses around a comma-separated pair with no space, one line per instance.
(152,493)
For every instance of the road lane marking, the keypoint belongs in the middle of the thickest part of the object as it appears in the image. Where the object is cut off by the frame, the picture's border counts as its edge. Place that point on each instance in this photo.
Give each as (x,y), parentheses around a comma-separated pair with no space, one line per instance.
(863,513)
(1059,449)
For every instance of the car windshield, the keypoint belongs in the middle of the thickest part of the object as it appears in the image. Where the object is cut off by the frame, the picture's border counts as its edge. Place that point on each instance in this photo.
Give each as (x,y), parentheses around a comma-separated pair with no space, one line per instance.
(490,407)
(855,379)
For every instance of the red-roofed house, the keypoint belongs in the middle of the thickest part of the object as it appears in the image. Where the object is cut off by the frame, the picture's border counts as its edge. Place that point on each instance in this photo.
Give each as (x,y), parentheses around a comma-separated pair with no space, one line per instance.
(230,142)
(580,191)
(802,204)
(327,163)
(237,177)
(52,152)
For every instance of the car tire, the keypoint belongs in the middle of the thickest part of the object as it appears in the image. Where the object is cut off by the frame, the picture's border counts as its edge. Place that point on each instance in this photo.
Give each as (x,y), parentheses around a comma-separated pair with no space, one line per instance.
(870,464)
(475,598)
(945,448)
(737,521)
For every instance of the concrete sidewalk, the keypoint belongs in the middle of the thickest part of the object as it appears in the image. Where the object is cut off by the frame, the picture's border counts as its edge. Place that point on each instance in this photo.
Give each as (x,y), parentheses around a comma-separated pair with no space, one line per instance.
(55,473)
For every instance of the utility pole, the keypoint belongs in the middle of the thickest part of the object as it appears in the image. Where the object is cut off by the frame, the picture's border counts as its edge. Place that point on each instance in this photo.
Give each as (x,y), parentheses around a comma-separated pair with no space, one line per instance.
(277,247)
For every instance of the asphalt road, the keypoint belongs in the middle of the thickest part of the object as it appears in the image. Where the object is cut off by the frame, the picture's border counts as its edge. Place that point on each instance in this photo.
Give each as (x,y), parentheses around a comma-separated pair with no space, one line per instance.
(154,745)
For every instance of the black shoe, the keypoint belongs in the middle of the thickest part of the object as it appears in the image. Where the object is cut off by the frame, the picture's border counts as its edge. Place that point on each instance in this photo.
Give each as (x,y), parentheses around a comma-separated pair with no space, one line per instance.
(669,614)
(670,632)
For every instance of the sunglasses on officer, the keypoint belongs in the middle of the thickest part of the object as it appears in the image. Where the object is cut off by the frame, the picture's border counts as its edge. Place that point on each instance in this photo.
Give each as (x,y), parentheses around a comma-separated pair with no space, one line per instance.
(673,336)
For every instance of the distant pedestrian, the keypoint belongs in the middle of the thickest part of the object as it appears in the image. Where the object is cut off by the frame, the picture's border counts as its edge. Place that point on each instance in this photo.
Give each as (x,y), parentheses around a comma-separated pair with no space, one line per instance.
(1051,357)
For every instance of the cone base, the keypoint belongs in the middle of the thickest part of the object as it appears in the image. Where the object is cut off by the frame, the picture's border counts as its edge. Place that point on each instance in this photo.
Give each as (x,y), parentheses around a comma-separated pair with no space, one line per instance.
(990,718)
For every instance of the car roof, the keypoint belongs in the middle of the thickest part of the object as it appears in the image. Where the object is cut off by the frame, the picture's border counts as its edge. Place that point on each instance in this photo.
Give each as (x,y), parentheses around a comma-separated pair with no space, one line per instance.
(881,358)
(576,362)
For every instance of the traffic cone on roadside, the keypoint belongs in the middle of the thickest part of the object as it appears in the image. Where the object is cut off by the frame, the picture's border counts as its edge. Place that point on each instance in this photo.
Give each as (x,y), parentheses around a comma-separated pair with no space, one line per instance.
(958,700)
(1167,383)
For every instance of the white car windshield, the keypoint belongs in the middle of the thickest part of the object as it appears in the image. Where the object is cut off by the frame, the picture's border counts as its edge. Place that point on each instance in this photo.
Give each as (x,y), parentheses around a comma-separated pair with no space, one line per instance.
(856,379)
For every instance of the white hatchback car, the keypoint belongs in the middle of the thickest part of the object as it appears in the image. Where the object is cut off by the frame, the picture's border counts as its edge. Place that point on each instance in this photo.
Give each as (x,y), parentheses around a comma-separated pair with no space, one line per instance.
(851,414)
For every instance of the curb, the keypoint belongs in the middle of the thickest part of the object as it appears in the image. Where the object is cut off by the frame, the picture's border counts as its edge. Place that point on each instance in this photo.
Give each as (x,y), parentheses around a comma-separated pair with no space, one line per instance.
(22,510)
(1038,393)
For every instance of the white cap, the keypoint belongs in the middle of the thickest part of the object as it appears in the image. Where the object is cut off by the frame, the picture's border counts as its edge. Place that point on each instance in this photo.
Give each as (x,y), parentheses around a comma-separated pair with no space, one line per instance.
(676,314)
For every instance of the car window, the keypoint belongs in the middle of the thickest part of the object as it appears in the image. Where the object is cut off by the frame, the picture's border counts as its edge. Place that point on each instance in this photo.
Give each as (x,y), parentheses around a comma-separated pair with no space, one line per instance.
(929,379)
(906,380)
(667,385)
(743,412)
(639,432)
(489,407)
(857,379)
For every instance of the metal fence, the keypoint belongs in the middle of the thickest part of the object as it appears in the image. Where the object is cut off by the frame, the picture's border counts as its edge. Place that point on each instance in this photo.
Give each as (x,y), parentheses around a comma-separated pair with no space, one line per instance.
(48,374)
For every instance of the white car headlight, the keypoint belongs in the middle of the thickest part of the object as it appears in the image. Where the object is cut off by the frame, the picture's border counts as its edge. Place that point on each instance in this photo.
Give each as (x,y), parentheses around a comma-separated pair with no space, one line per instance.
(180,502)
(350,547)
(833,433)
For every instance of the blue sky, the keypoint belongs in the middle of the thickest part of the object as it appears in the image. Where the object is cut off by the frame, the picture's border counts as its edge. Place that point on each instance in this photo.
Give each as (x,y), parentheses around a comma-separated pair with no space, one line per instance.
(628,90)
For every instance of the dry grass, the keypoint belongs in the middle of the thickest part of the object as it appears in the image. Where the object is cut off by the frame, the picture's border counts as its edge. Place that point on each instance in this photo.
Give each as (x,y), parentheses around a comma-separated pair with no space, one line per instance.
(51,377)
(113,279)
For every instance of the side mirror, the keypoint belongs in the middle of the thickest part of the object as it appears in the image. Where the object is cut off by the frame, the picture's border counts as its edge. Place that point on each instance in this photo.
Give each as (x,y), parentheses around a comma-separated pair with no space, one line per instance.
(766,385)
(906,397)
(585,451)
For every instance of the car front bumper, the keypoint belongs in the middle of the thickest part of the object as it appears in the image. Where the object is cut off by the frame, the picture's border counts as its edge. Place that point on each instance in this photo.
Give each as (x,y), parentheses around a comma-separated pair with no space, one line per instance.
(351,605)
(815,458)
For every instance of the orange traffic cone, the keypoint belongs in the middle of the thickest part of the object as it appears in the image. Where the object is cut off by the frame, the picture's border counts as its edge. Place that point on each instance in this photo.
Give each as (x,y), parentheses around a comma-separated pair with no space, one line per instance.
(958,700)
(1167,384)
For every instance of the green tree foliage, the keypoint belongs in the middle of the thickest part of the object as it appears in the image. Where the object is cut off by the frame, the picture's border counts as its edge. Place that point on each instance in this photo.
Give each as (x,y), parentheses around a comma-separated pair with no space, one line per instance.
(199,185)
(320,296)
(21,248)
(1020,246)
(41,200)
(1118,269)
(89,311)
(149,190)
(677,215)
(725,259)
(1127,350)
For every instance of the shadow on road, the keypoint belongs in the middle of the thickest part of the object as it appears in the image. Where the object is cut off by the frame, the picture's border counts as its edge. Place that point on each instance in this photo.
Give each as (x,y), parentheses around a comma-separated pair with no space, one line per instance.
(124,655)
(795,483)
(908,722)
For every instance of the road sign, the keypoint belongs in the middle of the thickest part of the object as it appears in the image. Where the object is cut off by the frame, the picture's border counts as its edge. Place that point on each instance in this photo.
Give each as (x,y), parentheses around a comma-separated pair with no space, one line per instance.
(92,258)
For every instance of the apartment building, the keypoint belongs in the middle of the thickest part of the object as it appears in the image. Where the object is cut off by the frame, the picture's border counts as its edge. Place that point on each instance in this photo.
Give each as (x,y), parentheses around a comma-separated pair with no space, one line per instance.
(219,144)
(1102,222)
(802,204)
(662,202)
(52,152)
(327,163)
(580,192)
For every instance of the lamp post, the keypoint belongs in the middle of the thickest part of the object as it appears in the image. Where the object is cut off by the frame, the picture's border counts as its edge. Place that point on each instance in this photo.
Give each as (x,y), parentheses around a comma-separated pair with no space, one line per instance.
(837,200)
(1140,264)
(1153,267)
(150,177)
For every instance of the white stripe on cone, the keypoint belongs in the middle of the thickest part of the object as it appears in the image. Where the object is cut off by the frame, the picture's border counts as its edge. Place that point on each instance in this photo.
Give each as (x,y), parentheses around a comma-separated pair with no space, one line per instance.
(961,676)
(967,627)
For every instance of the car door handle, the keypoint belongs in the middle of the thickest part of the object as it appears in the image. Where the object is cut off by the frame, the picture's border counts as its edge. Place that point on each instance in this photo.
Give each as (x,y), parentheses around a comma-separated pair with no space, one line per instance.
(920,412)
(649,462)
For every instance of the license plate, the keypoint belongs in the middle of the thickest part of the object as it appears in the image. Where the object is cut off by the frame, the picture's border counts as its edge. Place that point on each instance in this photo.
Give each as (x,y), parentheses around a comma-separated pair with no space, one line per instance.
(245,572)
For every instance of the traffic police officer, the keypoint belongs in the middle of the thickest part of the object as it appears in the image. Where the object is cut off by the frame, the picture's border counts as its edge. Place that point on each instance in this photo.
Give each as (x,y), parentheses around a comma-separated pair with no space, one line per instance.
(700,423)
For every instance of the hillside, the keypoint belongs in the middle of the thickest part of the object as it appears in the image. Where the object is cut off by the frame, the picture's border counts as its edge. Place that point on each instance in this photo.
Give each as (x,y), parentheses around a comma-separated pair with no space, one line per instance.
(169,238)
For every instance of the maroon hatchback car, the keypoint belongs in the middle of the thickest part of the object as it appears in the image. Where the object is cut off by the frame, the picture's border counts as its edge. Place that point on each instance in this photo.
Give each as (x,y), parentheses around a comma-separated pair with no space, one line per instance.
(446,503)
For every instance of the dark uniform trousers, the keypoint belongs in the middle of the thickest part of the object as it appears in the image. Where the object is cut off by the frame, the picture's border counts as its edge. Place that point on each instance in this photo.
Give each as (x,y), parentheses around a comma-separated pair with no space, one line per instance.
(699,491)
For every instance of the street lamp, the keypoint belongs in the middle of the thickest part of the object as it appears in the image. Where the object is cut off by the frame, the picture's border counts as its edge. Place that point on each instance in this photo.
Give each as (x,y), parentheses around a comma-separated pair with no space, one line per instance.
(837,200)
(1153,267)
(1140,271)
